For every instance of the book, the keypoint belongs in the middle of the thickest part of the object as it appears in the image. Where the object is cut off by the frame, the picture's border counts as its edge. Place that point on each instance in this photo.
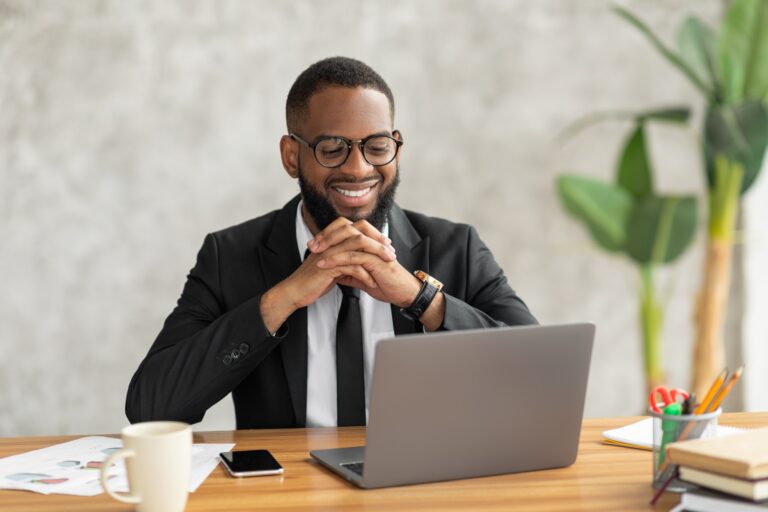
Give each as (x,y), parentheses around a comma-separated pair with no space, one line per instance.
(640,434)
(700,500)
(742,456)
(750,489)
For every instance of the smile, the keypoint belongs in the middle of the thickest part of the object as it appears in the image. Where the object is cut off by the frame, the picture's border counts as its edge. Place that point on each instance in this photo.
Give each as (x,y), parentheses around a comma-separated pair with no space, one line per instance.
(353,193)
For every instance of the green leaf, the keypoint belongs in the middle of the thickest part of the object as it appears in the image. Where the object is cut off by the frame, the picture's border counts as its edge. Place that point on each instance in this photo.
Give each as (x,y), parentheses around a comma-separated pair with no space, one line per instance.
(634,170)
(662,115)
(591,119)
(740,133)
(671,56)
(743,51)
(666,115)
(603,208)
(660,228)
(696,44)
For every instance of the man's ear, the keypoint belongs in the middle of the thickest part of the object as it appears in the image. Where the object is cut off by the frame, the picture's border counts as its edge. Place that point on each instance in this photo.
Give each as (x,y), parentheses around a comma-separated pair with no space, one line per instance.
(289,153)
(399,136)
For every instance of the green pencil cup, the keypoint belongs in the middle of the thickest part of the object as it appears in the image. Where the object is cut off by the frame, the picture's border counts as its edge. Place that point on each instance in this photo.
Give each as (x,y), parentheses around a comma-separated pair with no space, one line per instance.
(668,428)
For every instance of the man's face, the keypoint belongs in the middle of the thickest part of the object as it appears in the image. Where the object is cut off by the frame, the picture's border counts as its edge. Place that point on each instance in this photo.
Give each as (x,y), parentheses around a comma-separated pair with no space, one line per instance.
(328,193)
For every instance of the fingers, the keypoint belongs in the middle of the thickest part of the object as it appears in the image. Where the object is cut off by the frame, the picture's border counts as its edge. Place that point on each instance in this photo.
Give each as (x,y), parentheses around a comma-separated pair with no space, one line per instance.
(354,275)
(310,282)
(335,231)
(341,229)
(348,258)
(368,230)
(350,239)
(362,245)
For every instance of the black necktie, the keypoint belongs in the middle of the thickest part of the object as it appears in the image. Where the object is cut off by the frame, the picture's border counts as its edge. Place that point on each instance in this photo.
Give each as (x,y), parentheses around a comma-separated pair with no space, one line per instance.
(350,385)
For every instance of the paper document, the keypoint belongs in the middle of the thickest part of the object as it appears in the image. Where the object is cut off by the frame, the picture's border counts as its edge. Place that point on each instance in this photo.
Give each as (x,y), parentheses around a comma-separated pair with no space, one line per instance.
(640,434)
(74,467)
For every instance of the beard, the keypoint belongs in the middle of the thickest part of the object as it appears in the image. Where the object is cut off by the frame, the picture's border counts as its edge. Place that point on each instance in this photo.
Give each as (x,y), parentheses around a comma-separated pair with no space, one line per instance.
(324,213)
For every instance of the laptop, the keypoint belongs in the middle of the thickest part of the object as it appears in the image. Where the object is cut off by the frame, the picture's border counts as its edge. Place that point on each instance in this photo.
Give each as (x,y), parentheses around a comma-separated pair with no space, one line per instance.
(464,404)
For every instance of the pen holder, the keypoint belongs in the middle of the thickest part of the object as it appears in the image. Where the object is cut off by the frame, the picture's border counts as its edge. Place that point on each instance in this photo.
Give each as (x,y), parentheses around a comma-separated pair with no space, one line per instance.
(669,428)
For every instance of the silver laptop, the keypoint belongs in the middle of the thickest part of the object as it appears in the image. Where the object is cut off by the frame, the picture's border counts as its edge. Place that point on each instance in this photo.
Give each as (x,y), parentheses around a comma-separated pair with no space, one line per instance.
(464,404)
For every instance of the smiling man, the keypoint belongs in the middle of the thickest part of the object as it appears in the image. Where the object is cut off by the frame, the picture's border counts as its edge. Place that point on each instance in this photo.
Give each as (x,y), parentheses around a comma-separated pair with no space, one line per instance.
(284,311)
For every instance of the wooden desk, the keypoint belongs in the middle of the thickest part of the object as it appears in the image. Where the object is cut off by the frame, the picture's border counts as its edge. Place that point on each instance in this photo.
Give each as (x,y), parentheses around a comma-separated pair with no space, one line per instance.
(603,478)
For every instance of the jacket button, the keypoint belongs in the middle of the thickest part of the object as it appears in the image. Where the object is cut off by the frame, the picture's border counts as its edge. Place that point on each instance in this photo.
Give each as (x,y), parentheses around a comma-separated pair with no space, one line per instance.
(244,348)
(235,353)
(227,359)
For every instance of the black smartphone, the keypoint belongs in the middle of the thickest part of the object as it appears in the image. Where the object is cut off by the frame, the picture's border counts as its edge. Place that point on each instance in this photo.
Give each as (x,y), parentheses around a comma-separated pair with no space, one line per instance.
(251,463)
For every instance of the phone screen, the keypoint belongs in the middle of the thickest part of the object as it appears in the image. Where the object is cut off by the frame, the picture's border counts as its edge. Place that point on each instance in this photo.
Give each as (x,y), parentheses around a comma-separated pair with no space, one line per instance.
(251,462)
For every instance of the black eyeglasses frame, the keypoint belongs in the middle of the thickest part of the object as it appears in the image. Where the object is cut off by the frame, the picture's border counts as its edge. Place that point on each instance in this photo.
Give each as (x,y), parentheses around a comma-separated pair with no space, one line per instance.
(360,144)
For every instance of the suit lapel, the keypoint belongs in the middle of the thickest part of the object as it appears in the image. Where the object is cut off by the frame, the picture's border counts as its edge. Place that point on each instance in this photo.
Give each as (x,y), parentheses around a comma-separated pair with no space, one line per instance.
(412,253)
(279,258)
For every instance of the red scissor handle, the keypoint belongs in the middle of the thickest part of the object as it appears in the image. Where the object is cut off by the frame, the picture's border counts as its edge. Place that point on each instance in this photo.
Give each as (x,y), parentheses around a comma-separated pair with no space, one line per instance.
(668,396)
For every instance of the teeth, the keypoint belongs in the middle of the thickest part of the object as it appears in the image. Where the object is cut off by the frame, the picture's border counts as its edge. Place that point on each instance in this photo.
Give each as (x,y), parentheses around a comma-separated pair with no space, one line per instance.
(353,193)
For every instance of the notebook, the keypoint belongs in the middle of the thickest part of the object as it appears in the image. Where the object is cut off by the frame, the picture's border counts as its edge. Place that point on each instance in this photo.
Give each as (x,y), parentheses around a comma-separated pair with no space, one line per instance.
(741,456)
(640,434)
(751,489)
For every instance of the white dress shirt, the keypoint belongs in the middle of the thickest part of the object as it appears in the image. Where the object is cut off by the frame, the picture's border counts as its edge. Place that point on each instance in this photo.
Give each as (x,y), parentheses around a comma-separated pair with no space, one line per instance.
(376,317)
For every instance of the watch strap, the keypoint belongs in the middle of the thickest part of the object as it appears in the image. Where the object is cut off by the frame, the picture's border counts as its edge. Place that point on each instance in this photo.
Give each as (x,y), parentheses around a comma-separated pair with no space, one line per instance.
(429,288)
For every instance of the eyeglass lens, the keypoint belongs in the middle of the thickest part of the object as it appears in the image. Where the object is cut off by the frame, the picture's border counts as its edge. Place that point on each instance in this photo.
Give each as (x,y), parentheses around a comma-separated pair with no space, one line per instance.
(376,151)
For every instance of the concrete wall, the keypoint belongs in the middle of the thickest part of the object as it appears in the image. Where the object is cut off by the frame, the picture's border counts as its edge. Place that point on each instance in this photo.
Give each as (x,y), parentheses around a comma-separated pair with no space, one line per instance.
(129,130)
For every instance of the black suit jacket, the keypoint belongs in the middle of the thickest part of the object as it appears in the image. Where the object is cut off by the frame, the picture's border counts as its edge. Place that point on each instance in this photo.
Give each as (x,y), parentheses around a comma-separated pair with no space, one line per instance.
(215,342)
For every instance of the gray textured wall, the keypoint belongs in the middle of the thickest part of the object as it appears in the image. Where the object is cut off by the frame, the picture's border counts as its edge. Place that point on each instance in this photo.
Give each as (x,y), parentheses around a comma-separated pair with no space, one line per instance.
(128,130)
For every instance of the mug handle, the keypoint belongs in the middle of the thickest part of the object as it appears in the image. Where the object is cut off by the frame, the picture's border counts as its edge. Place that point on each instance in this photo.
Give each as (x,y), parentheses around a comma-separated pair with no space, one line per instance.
(108,462)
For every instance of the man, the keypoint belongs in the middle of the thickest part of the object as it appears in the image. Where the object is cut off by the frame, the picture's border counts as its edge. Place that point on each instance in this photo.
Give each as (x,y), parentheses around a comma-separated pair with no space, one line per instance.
(284,310)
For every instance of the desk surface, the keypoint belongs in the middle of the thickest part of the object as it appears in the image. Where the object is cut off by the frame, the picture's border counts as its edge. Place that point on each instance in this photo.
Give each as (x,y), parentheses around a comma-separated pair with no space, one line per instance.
(603,478)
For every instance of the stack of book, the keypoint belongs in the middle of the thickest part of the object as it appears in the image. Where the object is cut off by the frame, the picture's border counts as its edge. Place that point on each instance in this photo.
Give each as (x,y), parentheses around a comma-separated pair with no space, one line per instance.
(732,472)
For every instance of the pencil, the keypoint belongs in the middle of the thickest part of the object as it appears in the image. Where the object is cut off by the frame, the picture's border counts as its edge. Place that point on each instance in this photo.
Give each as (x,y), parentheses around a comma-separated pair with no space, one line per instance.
(713,389)
(726,389)
(702,407)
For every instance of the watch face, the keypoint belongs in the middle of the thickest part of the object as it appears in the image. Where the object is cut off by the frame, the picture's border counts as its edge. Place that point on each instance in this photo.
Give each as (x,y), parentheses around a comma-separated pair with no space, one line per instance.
(434,282)
(426,278)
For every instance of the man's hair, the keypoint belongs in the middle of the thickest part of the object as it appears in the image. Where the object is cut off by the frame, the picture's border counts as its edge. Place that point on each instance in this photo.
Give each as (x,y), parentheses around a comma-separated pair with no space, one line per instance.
(333,71)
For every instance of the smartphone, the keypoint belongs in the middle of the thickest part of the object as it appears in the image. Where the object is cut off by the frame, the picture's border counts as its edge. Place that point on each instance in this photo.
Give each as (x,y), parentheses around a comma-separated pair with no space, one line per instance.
(250,463)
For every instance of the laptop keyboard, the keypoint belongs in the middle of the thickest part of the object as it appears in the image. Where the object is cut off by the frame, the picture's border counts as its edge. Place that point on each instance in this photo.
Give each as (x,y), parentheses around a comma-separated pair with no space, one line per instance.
(355,467)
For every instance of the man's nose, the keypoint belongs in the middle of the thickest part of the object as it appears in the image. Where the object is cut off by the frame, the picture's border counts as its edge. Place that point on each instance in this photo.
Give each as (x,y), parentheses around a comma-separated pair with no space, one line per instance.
(356,164)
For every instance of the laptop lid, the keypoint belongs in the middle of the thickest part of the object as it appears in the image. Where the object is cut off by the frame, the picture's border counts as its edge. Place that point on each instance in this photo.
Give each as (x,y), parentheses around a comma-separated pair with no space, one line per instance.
(462,404)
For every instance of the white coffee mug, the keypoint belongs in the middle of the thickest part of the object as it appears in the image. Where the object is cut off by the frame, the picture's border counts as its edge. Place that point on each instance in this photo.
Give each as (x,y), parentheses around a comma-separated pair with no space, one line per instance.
(158,458)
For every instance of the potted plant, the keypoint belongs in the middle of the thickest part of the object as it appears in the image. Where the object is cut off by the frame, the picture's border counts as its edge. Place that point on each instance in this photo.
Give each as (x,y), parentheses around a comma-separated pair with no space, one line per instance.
(730,68)
(631,218)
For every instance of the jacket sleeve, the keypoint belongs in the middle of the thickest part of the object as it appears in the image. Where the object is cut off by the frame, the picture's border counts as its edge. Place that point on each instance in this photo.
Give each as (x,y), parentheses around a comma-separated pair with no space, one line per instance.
(489,300)
(202,352)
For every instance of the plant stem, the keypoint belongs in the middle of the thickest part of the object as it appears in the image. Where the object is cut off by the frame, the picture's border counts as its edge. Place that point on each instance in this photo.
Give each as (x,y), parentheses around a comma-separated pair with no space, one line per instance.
(724,199)
(651,320)
(709,350)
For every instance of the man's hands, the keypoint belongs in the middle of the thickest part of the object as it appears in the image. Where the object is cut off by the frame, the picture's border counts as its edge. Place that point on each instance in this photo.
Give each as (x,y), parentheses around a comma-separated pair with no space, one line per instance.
(352,254)
(346,245)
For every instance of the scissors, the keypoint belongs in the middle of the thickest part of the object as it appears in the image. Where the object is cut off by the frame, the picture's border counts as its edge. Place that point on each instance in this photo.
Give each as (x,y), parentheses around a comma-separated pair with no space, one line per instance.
(668,397)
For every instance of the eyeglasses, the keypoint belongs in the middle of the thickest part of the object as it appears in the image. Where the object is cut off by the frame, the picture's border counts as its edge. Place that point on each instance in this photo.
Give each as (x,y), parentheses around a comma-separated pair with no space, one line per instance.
(333,152)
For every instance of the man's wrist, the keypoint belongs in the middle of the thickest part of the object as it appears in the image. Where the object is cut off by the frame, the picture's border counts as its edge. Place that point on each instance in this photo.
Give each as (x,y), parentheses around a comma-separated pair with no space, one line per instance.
(276,306)
(415,286)
(428,290)
(434,315)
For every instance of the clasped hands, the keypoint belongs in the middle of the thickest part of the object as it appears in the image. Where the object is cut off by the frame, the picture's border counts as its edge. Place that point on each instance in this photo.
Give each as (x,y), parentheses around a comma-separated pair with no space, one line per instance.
(353,254)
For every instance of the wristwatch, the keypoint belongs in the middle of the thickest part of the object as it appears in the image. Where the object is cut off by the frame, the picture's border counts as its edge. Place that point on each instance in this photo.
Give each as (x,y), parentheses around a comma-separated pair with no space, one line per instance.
(429,288)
